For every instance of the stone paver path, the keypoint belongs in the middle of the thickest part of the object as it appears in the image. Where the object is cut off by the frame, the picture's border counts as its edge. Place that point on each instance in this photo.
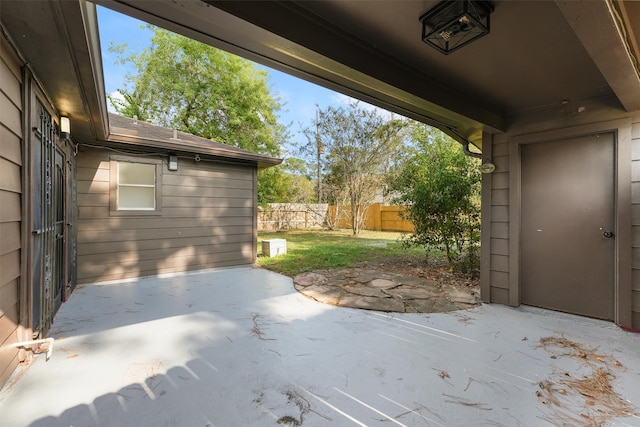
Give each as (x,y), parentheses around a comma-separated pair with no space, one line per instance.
(383,291)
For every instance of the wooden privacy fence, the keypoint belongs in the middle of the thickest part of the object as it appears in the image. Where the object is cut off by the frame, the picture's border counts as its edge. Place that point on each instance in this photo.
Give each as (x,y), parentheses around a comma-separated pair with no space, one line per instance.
(377,218)
(285,216)
(282,216)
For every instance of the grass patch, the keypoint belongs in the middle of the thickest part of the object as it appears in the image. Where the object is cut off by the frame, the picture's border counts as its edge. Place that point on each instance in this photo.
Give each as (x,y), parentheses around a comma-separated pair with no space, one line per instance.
(321,249)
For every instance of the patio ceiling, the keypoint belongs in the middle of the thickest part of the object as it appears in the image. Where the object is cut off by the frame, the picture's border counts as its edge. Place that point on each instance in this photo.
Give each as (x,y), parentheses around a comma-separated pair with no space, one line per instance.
(542,59)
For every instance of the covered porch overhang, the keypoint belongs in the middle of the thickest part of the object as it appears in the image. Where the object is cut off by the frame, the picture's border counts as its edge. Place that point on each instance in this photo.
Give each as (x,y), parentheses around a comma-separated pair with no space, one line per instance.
(541,60)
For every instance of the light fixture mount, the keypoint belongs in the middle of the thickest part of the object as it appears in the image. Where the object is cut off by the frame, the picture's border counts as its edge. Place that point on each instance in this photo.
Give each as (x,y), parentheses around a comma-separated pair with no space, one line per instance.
(451,24)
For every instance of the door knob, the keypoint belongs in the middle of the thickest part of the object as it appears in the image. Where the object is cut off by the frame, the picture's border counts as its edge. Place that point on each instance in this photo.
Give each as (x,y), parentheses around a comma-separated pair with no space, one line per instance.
(607,234)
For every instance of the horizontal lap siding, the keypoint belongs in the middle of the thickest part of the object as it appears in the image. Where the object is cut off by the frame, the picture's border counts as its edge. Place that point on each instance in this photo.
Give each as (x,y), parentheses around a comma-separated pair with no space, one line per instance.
(10,207)
(499,239)
(635,224)
(207,220)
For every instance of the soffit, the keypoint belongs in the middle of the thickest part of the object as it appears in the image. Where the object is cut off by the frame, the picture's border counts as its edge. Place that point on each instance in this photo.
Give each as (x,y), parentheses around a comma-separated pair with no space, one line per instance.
(52,37)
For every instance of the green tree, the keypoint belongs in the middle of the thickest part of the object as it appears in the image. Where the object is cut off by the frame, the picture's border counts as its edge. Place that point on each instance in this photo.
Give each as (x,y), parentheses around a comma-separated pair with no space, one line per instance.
(186,85)
(356,147)
(301,180)
(441,187)
(286,183)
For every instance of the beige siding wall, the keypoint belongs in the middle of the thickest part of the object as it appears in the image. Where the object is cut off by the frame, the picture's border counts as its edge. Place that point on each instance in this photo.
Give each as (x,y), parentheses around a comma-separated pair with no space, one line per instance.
(207,220)
(11,190)
(635,221)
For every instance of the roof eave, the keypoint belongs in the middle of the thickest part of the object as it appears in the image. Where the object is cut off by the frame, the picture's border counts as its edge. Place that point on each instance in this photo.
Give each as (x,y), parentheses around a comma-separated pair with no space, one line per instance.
(189,147)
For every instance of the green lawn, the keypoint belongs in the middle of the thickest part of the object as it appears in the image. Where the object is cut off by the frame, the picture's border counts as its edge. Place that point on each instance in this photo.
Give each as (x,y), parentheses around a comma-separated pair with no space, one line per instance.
(321,249)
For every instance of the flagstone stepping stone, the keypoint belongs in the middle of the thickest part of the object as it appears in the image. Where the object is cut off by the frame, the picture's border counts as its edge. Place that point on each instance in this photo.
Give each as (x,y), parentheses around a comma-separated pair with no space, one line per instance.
(363,278)
(307,279)
(336,282)
(382,284)
(407,292)
(372,303)
(365,291)
(416,281)
(325,296)
(383,291)
(345,273)
(313,290)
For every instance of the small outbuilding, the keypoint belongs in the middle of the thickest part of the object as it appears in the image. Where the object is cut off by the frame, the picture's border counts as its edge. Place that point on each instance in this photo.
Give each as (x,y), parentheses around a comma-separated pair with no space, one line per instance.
(154,200)
(89,196)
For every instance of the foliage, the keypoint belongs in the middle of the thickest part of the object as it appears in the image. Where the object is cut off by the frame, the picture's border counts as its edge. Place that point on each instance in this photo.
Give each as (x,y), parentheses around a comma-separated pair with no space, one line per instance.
(441,187)
(317,250)
(355,145)
(286,183)
(183,84)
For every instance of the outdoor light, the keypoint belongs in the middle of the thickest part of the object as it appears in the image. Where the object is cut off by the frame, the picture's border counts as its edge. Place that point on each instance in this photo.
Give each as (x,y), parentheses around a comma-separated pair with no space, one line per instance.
(487,168)
(173,163)
(65,127)
(452,24)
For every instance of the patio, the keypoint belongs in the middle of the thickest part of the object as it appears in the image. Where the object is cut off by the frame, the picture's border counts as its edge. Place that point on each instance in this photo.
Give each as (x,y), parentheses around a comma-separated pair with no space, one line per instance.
(240,347)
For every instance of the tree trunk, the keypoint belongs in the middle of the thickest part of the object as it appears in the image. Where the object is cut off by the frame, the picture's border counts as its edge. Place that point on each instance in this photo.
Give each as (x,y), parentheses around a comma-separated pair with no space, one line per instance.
(354,219)
(448,249)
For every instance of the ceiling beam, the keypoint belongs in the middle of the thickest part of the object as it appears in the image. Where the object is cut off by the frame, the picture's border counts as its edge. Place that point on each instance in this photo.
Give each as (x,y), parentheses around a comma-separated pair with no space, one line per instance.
(335,60)
(293,22)
(600,28)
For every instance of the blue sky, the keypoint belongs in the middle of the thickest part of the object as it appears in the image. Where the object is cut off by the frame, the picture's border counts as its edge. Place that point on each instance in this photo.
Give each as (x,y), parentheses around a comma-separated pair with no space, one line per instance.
(300,97)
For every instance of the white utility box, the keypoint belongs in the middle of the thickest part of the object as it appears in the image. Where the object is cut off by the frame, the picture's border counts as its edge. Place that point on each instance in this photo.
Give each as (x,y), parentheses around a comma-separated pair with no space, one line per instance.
(274,247)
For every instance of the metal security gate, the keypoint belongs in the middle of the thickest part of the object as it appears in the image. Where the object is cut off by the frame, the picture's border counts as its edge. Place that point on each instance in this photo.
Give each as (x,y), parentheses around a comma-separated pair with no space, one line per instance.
(71,221)
(48,221)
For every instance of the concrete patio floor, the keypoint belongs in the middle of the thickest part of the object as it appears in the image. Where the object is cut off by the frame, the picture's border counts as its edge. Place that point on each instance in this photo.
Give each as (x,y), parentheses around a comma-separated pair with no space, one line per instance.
(240,347)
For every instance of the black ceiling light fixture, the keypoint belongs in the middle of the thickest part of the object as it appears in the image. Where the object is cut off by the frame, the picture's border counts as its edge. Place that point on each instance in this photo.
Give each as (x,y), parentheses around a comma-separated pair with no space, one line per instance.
(452,24)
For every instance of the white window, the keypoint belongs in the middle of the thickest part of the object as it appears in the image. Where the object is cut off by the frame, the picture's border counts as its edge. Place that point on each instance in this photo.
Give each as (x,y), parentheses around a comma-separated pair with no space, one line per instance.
(136,186)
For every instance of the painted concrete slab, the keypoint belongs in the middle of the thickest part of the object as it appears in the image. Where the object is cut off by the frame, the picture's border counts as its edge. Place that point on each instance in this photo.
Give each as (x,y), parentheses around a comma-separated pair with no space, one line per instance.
(240,347)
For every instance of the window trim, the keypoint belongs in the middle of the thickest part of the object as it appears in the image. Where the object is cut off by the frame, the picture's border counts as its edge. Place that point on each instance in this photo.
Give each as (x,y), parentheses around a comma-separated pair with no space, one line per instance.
(113,186)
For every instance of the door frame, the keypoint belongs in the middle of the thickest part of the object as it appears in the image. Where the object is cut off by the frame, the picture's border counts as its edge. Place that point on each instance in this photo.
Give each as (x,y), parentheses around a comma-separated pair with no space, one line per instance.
(621,130)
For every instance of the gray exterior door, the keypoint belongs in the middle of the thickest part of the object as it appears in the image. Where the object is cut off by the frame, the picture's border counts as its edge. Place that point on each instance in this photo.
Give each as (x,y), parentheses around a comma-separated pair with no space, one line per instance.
(567,225)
